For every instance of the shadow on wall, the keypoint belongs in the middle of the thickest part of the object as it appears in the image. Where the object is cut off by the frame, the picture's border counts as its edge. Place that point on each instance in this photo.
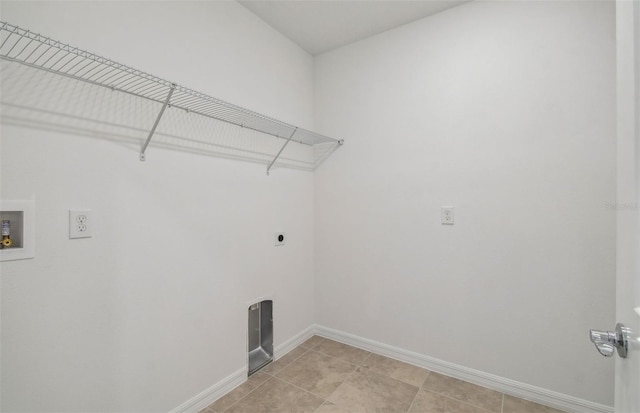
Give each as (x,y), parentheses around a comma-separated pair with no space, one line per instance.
(38,99)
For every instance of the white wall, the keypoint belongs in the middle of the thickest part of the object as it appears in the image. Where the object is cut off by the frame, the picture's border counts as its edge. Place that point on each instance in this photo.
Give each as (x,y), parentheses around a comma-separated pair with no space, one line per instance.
(152,309)
(504,110)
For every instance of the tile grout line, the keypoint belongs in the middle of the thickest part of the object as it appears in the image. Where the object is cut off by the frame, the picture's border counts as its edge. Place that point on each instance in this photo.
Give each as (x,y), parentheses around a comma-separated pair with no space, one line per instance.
(343,381)
(419,390)
(362,364)
(324,403)
(273,376)
(321,353)
(414,398)
(371,353)
(315,345)
(332,356)
(336,358)
(306,350)
(469,404)
(394,379)
(237,401)
(324,399)
(300,346)
(461,401)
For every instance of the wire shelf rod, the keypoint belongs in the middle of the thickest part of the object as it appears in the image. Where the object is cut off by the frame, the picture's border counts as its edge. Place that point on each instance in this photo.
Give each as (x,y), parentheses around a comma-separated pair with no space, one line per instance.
(133,81)
(5,40)
(33,51)
(59,60)
(184,99)
(73,57)
(51,57)
(23,49)
(12,47)
(74,66)
(79,73)
(42,54)
(97,76)
(117,77)
(155,96)
(145,88)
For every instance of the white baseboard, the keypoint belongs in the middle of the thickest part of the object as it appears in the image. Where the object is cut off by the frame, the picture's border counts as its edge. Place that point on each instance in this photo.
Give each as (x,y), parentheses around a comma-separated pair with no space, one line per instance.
(213,393)
(525,391)
(283,348)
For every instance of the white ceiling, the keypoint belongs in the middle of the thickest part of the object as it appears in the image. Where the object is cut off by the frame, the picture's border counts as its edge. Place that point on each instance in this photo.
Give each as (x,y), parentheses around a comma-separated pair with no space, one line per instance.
(322,25)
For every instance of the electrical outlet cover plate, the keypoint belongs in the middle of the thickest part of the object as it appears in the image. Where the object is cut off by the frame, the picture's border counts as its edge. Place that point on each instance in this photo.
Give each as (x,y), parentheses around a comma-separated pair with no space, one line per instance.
(80,223)
(280,238)
(446,215)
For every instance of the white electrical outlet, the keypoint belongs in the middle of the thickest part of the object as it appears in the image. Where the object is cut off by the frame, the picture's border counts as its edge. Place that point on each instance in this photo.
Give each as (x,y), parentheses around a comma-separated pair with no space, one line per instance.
(446,215)
(80,223)
(280,238)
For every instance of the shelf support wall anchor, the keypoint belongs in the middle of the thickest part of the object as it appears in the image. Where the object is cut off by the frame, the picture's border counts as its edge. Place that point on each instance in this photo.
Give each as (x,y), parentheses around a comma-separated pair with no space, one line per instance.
(280,152)
(155,124)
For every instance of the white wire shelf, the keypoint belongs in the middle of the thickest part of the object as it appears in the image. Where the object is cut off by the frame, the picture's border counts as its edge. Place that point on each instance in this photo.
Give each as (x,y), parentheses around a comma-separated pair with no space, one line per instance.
(36,51)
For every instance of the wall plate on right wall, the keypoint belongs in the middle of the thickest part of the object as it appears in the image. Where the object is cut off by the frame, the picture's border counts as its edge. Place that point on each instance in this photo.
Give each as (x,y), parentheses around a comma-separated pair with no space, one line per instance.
(446,215)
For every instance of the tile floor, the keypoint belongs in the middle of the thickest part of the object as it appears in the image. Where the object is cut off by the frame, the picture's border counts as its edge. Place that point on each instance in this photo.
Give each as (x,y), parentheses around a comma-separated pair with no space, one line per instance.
(325,376)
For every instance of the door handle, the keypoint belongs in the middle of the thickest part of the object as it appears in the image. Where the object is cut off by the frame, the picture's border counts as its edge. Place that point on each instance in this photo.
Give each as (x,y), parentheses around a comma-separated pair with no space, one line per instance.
(608,341)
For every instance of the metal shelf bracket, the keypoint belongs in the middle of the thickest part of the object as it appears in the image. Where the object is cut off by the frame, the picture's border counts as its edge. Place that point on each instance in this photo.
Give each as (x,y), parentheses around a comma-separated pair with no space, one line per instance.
(280,151)
(155,124)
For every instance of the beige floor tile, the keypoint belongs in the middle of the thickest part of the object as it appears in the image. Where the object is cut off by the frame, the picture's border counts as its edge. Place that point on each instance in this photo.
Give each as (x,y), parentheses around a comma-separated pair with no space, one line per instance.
(316,372)
(329,407)
(276,396)
(396,369)
(284,361)
(226,401)
(428,402)
(312,342)
(367,391)
(466,392)
(516,405)
(455,406)
(208,410)
(342,351)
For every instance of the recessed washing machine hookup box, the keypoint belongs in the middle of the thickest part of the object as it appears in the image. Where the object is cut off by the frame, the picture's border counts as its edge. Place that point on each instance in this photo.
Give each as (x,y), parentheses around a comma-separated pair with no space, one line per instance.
(260,335)
(18,230)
